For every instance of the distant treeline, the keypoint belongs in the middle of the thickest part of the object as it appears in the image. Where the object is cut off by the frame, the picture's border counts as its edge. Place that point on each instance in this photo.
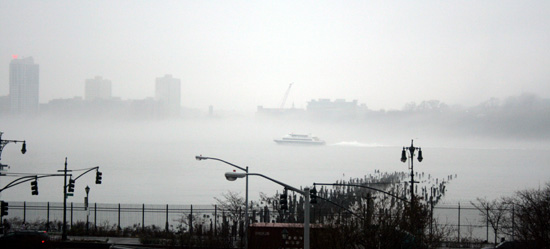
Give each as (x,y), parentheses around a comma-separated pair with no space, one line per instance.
(524,116)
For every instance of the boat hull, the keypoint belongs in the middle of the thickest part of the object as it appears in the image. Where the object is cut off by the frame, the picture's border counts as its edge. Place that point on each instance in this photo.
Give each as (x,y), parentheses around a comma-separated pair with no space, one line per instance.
(278,141)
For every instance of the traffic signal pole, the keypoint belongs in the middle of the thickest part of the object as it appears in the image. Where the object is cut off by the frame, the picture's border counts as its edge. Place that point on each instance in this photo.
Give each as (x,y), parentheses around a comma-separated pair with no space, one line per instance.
(64,232)
(71,189)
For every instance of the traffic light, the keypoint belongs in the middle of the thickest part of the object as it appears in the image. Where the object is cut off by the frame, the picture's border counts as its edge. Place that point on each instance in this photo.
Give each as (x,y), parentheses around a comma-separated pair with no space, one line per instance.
(4,208)
(24,148)
(34,187)
(98,177)
(313,196)
(71,185)
(283,201)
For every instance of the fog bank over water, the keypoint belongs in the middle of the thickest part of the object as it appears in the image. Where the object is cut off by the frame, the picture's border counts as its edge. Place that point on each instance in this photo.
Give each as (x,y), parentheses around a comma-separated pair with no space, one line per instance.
(154,161)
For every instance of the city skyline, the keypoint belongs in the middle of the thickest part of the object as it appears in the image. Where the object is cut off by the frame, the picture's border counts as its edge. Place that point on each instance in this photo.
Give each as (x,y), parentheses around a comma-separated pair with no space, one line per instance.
(100,88)
(237,55)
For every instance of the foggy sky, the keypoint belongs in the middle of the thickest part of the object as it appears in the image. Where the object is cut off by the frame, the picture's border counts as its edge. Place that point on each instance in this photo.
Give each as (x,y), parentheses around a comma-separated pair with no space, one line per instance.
(241,54)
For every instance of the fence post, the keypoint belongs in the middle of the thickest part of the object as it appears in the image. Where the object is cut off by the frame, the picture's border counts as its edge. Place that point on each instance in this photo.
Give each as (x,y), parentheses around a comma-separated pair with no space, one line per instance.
(487,224)
(191,221)
(432,222)
(24,212)
(459,222)
(71,214)
(118,226)
(513,222)
(166,218)
(143,217)
(48,216)
(215,219)
(95,216)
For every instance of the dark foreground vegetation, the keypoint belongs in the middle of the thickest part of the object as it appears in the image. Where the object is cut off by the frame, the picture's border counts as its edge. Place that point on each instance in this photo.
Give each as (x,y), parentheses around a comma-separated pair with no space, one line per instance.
(345,216)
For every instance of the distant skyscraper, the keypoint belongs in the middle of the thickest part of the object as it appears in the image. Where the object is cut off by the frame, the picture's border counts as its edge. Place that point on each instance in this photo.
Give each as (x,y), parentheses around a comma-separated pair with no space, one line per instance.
(23,85)
(98,88)
(168,95)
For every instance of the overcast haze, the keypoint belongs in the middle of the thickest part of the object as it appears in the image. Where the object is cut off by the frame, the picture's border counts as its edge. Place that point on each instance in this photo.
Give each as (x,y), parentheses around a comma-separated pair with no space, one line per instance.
(240,54)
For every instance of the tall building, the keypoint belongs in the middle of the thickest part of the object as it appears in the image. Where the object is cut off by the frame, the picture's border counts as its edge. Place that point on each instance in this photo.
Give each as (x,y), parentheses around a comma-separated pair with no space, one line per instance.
(98,88)
(168,95)
(23,86)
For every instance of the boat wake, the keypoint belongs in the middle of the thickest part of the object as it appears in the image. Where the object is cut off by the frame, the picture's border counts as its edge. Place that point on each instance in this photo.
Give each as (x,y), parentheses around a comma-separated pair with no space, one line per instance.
(357,144)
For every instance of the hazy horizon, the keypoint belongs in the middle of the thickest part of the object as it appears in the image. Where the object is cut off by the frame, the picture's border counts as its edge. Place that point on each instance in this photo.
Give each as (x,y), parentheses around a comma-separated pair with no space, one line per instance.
(238,55)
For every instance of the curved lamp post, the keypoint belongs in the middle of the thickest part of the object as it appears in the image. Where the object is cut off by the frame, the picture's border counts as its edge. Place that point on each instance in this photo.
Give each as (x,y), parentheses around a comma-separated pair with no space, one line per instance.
(199,158)
(232,176)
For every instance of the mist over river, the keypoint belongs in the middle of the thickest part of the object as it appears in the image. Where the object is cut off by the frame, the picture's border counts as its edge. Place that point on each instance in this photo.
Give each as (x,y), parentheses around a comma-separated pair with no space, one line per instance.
(154,162)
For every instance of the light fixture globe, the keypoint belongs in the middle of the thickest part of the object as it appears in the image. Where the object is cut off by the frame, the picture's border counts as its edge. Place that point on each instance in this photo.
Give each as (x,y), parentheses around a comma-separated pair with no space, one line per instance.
(232,176)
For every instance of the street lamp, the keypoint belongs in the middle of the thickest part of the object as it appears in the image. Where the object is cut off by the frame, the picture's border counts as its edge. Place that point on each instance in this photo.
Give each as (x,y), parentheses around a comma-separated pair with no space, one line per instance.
(199,158)
(87,189)
(411,150)
(232,176)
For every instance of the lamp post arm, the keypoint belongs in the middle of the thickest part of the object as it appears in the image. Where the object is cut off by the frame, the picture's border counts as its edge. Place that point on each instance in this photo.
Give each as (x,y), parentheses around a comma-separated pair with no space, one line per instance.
(223,161)
(280,183)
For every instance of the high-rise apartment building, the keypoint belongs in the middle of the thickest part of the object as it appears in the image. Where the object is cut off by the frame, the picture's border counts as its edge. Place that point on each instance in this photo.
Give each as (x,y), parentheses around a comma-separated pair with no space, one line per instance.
(24,86)
(98,88)
(168,95)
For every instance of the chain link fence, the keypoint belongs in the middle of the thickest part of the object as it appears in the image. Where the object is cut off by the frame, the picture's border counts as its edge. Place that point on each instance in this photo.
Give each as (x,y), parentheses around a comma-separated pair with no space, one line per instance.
(464,222)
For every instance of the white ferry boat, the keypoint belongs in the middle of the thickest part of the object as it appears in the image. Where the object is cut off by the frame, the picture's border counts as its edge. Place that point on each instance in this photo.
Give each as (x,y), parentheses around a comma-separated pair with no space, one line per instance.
(299,139)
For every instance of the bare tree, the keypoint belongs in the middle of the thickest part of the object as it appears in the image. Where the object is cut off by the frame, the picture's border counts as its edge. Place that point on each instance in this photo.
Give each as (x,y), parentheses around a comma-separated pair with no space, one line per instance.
(233,203)
(494,212)
(531,216)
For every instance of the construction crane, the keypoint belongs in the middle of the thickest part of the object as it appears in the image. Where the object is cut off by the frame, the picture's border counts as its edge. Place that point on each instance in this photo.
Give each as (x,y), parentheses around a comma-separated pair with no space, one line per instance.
(286,95)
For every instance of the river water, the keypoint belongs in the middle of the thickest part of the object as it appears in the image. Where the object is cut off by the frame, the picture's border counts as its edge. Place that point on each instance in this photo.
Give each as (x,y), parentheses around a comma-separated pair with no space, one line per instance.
(154,162)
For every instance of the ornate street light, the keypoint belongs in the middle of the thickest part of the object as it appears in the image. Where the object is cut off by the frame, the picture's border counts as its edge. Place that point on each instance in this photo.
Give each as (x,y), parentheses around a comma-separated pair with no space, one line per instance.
(87,189)
(411,150)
